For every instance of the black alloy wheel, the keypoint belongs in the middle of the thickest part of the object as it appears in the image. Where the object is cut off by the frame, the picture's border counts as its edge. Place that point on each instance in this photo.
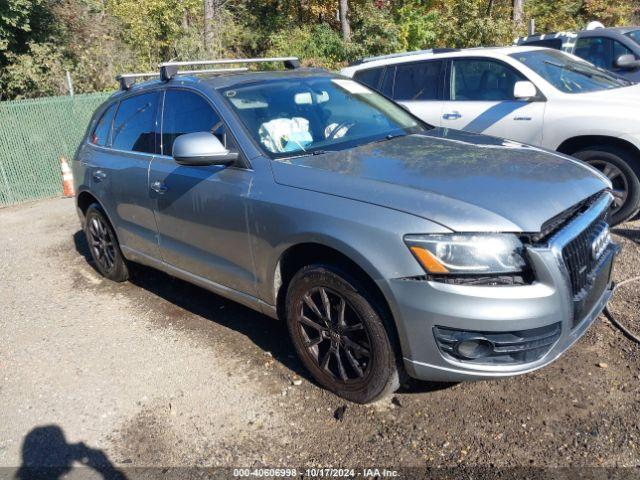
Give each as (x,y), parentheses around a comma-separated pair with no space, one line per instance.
(341,334)
(103,245)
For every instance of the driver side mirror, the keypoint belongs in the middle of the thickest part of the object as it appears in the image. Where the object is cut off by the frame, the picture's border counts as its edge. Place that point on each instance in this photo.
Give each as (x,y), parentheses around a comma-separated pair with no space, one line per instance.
(524,90)
(200,149)
(626,62)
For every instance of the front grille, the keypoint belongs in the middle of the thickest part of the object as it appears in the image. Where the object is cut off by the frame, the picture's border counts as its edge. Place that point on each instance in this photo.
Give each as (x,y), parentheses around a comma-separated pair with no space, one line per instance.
(517,347)
(578,257)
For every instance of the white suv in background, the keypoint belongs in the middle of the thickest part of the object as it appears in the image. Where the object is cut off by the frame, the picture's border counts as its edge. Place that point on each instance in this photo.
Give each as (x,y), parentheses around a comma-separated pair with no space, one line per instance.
(532,95)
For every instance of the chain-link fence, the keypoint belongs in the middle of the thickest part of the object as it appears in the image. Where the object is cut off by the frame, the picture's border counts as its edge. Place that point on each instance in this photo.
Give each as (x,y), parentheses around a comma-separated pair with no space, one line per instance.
(34,134)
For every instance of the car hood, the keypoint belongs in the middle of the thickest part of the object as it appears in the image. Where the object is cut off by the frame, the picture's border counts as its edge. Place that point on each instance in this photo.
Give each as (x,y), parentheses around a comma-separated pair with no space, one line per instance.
(625,95)
(464,181)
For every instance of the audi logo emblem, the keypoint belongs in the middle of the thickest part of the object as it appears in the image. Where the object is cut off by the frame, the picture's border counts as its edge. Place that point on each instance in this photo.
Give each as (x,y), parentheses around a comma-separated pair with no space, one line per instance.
(600,242)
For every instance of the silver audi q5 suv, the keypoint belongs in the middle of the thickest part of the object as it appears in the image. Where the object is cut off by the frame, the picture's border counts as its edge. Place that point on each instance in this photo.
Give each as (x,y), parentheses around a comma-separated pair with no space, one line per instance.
(388,246)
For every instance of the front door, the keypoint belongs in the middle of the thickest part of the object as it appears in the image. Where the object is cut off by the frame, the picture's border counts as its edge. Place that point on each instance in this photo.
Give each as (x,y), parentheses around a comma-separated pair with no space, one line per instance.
(201,212)
(481,101)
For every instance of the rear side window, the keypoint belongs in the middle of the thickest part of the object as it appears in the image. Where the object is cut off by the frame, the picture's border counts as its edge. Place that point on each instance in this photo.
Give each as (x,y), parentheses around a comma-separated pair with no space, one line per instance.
(101,133)
(187,112)
(555,43)
(134,126)
(369,77)
(417,81)
(482,80)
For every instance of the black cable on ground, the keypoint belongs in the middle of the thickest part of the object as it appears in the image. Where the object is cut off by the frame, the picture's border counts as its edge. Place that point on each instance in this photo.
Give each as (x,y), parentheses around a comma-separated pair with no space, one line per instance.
(627,333)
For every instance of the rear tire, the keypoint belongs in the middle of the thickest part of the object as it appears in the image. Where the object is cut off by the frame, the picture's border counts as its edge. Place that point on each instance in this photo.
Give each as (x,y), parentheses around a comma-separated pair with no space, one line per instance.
(104,246)
(623,169)
(340,335)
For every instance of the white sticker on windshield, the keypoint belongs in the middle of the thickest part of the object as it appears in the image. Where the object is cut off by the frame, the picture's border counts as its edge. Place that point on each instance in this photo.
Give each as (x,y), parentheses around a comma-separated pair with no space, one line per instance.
(352,87)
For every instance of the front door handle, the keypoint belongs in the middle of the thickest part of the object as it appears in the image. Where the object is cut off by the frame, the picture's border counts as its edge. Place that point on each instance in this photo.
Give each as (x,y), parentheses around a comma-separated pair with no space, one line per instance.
(99,175)
(159,187)
(452,115)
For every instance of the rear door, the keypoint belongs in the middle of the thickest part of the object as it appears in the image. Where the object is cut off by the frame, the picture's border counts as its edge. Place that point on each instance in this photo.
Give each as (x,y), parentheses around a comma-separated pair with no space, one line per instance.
(119,169)
(201,212)
(479,99)
(419,87)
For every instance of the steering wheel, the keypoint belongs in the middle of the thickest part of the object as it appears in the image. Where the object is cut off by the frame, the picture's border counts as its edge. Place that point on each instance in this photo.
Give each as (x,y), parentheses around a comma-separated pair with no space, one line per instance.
(344,124)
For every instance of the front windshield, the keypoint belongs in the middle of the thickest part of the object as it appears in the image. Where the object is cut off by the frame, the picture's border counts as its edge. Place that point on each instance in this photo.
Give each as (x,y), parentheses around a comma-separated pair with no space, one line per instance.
(568,74)
(634,35)
(308,115)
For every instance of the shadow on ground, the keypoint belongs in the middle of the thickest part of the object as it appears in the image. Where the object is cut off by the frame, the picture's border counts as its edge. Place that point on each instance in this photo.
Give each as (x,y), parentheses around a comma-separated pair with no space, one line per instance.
(47,455)
(268,334)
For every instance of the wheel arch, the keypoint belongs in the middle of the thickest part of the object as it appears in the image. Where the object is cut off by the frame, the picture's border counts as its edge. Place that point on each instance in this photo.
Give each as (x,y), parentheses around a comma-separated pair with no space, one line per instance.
(577,143)
(308,252)
(84,199)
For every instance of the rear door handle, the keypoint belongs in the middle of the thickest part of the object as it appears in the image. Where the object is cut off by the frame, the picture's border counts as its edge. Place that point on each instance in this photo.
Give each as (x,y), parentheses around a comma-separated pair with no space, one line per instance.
(159,187)
(452,115)
(99,175)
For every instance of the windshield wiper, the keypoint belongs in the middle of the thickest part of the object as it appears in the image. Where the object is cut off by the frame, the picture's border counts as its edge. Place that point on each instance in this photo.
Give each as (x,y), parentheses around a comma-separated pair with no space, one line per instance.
(305,154)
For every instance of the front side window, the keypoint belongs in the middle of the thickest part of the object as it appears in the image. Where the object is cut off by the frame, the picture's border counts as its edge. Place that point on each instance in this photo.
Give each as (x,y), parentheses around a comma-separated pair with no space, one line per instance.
(187,112)
(417,81)
(619,50)
(596,50)
(134,125)
(634,35)
(305,115)
(101,133)
(567,74)
(482,80)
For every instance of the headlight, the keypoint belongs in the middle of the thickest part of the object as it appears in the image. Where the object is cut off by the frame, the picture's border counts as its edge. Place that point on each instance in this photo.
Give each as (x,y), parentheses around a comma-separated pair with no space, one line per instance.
(468,253)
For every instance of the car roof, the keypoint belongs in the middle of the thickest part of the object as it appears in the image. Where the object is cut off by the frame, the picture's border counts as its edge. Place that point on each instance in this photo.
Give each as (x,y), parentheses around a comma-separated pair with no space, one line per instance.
(491,52)
(225,80)
(612,31)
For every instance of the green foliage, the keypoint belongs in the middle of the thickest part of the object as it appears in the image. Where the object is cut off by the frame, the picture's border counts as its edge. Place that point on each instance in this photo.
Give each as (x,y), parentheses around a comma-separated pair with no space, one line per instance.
(318,45)
(22,22)
(153,27)
(96,39)
(418,26)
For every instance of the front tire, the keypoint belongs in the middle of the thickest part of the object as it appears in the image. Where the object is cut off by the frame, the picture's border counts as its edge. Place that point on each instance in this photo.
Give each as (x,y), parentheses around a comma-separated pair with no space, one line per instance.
(340,335)
(104,246)
(623,170)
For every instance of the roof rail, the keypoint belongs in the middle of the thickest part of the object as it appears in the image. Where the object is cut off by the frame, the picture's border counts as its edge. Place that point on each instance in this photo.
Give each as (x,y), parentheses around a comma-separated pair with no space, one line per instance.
(404,54)
(126,80)
(168,70)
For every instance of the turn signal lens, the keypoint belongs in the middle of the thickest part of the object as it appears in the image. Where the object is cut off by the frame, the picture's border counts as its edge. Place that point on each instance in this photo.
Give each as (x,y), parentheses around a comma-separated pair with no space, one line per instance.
(428,261)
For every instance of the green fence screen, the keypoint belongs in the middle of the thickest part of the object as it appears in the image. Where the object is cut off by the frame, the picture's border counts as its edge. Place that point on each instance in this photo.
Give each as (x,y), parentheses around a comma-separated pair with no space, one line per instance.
(34,134)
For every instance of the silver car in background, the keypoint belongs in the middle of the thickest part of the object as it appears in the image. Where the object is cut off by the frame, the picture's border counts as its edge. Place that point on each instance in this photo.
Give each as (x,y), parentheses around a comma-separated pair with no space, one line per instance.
(388,246)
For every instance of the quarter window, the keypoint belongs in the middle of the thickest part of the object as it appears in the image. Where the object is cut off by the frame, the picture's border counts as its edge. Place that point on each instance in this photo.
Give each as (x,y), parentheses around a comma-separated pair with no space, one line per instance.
(369,77)
(417,81)
(482,80)
(134,126)
(101,133)
(187,112)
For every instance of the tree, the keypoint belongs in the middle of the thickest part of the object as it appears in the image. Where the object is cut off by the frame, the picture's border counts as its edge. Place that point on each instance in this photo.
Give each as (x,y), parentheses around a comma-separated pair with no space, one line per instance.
(518,12)
(344,20)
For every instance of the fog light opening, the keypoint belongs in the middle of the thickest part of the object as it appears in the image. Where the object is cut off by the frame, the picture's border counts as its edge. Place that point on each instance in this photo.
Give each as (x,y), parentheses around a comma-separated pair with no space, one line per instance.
(473,348)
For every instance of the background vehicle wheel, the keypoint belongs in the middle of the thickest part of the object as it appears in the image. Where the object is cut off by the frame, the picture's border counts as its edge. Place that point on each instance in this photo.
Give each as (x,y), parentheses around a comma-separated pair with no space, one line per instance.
(623,170)
(340,335)
(104,246)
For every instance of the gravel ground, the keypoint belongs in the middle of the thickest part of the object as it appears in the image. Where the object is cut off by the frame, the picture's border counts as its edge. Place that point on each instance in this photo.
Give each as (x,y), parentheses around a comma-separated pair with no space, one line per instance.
(156,372)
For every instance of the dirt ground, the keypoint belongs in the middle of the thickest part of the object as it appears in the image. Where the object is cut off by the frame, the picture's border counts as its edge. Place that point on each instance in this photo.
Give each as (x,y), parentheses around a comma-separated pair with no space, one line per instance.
(156,372)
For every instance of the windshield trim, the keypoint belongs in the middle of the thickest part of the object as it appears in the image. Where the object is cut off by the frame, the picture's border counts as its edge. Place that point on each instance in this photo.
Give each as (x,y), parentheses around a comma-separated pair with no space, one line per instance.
(421,124)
